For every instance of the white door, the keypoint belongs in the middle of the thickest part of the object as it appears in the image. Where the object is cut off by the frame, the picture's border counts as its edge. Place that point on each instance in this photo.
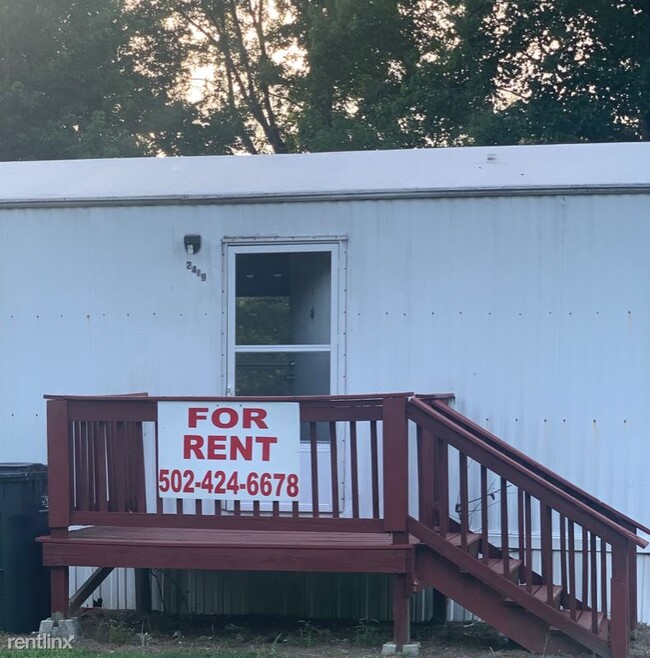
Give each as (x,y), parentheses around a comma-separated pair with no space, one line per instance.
(284,330)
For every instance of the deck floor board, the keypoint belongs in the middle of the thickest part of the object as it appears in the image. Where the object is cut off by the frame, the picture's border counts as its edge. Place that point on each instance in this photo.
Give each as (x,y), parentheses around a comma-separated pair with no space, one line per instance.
(231,538)
(229,549)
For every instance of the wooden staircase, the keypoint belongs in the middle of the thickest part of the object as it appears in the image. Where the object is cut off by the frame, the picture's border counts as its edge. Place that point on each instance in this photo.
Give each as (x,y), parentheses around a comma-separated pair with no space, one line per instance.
(542,561)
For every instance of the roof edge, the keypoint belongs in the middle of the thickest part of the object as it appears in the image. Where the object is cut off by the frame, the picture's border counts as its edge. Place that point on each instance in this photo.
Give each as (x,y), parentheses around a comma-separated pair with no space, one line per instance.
(333,196)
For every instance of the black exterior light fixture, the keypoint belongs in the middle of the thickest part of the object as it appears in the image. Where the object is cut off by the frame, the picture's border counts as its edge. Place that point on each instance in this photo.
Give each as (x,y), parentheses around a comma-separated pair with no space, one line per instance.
(192,244)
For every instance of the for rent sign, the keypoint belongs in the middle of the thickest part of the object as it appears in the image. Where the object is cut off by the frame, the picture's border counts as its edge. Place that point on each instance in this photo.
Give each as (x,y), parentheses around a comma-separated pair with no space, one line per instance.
(229,450)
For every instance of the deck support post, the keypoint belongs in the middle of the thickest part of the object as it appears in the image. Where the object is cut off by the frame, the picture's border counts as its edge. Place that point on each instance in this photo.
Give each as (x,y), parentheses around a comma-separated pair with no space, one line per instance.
(60,590)
(439,615)
(143,591)
(401,600)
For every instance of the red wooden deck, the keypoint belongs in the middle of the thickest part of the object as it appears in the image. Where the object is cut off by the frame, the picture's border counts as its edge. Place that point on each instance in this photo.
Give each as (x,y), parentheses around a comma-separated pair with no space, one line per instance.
(231,550)
(558,575)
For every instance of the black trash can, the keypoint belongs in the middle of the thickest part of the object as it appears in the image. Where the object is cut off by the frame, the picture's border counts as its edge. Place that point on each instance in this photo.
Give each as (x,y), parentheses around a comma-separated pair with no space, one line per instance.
(24,582)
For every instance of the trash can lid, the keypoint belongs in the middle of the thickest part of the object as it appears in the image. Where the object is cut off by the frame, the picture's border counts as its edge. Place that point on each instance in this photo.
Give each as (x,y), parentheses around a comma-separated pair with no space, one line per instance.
(16,470)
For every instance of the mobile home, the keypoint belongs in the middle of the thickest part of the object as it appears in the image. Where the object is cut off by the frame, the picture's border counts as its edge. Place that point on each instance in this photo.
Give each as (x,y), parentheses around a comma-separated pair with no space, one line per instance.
(515,278)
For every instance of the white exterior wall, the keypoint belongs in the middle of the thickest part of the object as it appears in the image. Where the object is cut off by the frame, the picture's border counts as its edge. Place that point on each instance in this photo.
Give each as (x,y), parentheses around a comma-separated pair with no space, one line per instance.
(533,310)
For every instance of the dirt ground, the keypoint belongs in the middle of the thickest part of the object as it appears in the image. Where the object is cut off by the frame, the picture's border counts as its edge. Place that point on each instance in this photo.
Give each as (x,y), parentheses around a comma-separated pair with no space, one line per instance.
(279,638)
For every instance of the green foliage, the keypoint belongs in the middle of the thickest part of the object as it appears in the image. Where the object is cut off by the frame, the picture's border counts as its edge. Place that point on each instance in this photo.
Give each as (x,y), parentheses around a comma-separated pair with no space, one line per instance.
(308,632)
(63,90)
(315,75)
(566,71)
(370,632)
(77,652)
(97,78)
(119,633)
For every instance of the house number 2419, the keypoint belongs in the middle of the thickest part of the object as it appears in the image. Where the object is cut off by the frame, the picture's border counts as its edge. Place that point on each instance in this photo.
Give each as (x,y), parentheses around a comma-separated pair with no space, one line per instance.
(195,270)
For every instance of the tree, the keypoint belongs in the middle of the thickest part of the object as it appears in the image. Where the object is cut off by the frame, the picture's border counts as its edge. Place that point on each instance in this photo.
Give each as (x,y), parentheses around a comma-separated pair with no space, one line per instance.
(294,75)
(95,78)
(355,88)
(557,70)
(289,75)
(234,40)
(63,92)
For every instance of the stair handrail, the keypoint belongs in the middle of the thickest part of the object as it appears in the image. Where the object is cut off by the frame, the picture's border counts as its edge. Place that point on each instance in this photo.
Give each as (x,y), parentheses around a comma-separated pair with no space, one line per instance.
(472,445)
(533,465)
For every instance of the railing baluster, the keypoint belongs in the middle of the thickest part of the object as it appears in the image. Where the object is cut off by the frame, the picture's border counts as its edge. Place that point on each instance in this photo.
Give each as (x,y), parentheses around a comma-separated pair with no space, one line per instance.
(76,463)
(529,543)
(159,500)
(563,574)
(464,520)
(92,482)
(139,469)
(127,446)
(334,461)
(110,458)
(426,466)
(237,508)
(505,548)
(546,528)
(374,465)
(119,466)
(100,466)
(594,583)
(572,570)
(131,473)
(256,508)
(585,569)
(603,577)
(520,523)
(354,468)
(442,486)
(313,440)
(485,543)
(276,508)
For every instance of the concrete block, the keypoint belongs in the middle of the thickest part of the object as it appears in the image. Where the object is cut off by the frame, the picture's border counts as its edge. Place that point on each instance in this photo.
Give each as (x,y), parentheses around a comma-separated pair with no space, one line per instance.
(46,626)
(68,629)
(412,650)
(389,649)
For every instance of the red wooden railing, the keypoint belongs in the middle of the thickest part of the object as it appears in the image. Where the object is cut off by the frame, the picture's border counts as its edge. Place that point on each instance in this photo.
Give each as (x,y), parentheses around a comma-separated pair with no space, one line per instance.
(591,568)
(553,478)
(97,450)
(537,539)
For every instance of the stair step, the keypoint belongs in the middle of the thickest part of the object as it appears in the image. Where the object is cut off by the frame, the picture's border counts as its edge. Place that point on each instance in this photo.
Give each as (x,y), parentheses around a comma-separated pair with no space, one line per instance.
(539,592)
(472,541)
(496,564)
(584,619)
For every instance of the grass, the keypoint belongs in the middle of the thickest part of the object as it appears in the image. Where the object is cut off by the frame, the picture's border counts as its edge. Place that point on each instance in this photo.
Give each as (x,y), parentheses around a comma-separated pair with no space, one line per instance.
(89,653)
(114,635)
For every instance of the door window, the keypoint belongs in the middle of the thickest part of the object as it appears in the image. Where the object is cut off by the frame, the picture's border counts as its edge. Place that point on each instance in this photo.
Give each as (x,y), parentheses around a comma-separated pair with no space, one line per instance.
(282,329)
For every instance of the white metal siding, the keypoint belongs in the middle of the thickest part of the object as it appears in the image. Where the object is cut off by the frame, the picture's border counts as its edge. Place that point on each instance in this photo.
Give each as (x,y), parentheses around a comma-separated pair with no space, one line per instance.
(534,311)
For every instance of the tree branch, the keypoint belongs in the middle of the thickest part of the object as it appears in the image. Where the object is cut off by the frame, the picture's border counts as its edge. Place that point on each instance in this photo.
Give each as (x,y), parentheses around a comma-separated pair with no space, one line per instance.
(267,121)
(230,70)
